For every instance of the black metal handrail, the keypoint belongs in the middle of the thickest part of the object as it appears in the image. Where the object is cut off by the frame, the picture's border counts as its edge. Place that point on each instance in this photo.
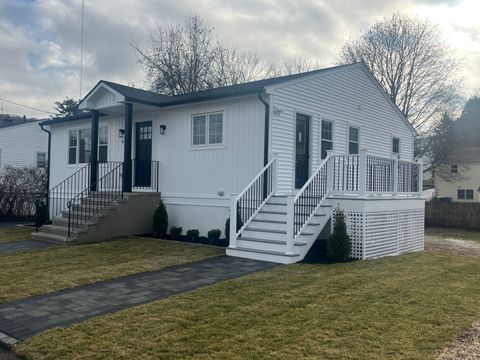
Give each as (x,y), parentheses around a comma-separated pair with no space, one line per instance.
(109,188)
(59,195)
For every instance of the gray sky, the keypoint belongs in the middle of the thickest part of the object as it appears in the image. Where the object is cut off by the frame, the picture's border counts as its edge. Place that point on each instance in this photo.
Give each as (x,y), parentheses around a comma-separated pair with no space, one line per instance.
(40,40)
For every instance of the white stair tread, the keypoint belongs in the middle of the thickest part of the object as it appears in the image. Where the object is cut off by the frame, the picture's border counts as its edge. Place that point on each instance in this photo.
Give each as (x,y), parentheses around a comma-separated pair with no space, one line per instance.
(248,228)
(269,241)
(269,252)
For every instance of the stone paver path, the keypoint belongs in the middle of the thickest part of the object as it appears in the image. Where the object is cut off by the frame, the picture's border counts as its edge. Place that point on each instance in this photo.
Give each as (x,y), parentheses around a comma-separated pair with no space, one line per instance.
(22,319)
(23,245)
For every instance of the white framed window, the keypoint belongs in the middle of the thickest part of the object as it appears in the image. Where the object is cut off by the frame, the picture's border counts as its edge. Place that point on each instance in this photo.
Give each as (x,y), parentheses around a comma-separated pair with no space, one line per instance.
(72,146)
(454,169)
(103,144)
(208,129)
(396,145)
(327,137)
(80,145)
(41,159)
(353,140)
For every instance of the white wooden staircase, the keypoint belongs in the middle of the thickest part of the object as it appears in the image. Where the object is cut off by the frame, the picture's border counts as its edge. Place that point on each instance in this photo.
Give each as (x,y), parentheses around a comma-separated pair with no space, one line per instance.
(279,228)
(265,237)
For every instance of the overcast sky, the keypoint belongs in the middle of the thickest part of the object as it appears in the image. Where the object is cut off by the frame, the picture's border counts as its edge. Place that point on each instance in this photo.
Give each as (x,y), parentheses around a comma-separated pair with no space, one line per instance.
(40,40)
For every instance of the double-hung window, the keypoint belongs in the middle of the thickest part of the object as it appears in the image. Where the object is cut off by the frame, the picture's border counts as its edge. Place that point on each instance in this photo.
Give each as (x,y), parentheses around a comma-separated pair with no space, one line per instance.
(454,169)
(41,159)
(327,137)
(103,144)
(80,146)
(353,140)
(207,129)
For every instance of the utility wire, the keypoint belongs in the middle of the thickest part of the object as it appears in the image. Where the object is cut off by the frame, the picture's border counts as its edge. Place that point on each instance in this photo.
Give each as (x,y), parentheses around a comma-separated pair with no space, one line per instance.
(28,107)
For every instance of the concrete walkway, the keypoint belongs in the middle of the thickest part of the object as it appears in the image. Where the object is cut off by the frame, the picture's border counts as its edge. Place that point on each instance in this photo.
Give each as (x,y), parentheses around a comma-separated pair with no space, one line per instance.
(22,245)
(22,319)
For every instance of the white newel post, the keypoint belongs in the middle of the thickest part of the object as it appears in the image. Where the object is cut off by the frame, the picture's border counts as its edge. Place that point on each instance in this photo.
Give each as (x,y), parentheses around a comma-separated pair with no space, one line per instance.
(420,176)
(329,171)
(362,172)
(395,176)
(233,221)
(290,221)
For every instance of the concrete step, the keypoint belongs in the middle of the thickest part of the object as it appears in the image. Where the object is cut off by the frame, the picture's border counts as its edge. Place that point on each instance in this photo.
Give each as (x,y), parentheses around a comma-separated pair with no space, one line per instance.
(57,239)
(55,229)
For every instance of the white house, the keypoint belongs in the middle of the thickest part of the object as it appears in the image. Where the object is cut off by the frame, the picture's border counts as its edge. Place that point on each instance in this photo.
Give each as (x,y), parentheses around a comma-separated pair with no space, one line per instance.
(23,144)
(283,152)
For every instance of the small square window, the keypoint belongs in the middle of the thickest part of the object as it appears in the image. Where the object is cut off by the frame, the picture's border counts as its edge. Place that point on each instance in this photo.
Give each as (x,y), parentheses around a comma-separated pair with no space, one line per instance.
(454,169)
(461,194)
(396,145)
(469,194)
(207,129)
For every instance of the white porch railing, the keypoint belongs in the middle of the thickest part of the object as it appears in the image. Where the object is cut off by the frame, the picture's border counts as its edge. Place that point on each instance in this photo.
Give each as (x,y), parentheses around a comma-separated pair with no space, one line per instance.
(251,199)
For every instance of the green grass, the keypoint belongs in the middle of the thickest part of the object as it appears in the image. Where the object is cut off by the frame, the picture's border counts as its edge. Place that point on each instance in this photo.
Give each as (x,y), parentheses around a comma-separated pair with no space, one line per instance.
(14,234)
(454,233)
(39,272)
(405,307)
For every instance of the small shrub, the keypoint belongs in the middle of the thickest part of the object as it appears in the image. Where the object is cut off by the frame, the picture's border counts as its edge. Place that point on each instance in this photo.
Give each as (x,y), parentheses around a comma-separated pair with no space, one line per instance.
(214,235)
(193,234)
(227,225)
(160,220)
(339,246)
(176,231)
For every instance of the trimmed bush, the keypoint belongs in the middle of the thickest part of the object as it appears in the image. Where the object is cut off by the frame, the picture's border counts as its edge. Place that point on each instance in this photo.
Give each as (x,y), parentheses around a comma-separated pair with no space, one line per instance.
(339,246)
(214,235)
(176,231)
(160,220)
(193,234)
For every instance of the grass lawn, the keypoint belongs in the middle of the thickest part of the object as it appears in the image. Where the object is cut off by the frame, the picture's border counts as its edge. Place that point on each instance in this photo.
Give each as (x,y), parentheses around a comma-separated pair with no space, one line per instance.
(43,271)
(454,233)
(405,307)
(14,234)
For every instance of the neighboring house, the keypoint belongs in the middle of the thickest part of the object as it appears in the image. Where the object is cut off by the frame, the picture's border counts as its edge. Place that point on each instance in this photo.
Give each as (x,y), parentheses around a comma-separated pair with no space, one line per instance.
(8,120)
(459,178)
(23,144)
(283,152)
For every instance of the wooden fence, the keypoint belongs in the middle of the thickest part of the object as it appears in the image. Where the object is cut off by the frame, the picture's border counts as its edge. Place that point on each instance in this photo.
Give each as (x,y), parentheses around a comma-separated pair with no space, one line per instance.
(461,215)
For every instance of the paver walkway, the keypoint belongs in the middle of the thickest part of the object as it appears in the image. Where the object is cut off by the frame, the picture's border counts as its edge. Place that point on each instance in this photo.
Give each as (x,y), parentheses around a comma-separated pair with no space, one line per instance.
(22,245)
(22,319)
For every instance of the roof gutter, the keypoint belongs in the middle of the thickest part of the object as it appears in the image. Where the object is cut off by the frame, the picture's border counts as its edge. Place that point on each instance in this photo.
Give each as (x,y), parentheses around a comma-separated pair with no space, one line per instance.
(48,160)
(267,127)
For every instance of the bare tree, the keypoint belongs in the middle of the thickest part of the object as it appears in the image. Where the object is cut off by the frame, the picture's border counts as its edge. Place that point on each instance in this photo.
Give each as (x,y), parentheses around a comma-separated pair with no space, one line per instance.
(413,64)
(188,57)
(180,57)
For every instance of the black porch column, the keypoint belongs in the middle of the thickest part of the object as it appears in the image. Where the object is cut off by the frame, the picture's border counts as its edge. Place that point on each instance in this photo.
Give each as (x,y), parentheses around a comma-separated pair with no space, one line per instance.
(94,152)
(127,149)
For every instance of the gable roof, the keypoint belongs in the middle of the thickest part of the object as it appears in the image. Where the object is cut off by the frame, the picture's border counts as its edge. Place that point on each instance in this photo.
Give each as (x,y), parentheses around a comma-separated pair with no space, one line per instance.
(146,97)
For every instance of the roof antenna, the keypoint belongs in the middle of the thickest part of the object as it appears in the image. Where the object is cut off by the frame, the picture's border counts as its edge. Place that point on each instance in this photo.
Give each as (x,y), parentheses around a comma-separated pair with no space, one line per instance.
(81,52)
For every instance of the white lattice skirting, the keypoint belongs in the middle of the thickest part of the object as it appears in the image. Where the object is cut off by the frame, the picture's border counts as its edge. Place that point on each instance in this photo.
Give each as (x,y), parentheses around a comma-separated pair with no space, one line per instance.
(375,233)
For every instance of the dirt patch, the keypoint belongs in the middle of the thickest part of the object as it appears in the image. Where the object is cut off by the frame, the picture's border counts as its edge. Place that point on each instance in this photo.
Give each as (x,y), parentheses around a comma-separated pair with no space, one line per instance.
(466,347)
(452,242)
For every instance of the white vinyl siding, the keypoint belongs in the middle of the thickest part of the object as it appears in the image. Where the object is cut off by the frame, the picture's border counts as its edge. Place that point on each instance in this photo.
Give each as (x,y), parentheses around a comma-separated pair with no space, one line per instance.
(348,97)
(20,144)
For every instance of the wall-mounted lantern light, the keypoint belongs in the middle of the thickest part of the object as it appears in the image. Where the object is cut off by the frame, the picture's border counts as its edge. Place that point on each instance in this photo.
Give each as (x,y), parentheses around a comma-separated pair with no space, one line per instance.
(121,133)
(163,128)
